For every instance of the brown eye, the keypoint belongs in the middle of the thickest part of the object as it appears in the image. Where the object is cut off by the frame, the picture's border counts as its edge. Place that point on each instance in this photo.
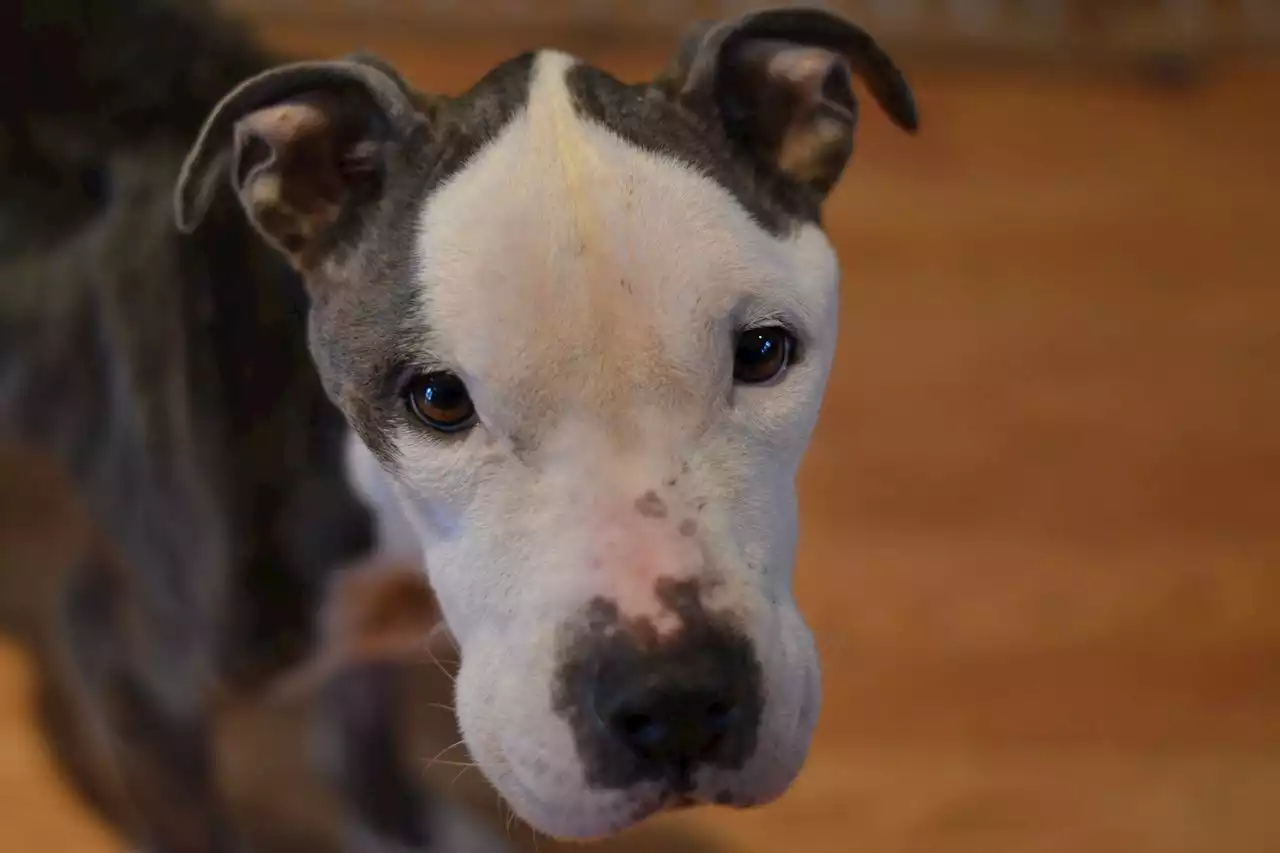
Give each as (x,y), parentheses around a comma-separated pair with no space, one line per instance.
(762,355)
(440,400)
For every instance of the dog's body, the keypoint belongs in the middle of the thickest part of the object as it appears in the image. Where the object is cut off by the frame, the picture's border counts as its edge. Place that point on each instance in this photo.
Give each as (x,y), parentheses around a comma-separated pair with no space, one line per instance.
(579,331)
(171,379)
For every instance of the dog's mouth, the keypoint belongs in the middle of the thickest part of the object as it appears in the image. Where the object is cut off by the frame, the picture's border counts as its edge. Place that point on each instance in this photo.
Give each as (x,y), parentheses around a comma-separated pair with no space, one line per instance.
(682,799)
(667,802)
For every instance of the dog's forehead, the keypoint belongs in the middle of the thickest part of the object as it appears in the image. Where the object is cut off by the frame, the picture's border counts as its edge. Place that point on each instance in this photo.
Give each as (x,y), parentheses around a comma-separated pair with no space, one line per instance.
(589,239)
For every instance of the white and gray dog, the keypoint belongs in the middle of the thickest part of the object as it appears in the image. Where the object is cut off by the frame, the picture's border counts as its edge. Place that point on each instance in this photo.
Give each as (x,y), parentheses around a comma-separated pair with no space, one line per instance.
(579,330)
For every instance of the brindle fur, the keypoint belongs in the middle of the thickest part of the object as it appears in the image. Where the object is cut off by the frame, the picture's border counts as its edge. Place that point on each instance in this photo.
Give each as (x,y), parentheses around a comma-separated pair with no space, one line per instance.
(168,378)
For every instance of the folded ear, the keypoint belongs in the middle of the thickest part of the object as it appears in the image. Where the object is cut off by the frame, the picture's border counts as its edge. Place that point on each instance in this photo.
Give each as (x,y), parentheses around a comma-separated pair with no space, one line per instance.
(303,145)
(779,83)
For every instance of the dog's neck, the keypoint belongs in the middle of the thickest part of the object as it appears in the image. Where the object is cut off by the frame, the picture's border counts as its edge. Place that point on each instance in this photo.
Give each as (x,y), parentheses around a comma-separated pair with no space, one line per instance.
(285,488)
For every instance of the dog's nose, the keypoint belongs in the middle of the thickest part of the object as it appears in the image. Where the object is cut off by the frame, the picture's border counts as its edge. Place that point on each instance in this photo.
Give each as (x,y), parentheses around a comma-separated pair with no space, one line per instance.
(671,725)
(674,712)
(645,705)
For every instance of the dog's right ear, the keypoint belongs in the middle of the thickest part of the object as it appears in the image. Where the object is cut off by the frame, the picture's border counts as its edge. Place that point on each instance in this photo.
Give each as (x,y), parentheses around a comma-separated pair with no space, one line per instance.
(303,145)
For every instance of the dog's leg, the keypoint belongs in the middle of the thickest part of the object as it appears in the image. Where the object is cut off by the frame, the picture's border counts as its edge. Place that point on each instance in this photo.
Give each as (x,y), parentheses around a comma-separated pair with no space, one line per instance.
(151,697)
(365,707)
(360,708)
(373,616)
(381,633)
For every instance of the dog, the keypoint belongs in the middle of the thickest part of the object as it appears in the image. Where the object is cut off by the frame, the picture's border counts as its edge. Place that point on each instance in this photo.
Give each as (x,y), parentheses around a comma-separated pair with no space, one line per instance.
(561,338)
(581,330)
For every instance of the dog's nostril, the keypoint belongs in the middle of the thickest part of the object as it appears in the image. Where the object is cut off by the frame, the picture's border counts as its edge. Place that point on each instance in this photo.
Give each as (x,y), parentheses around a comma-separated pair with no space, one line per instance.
(641,731)
(668,726)
(719,716)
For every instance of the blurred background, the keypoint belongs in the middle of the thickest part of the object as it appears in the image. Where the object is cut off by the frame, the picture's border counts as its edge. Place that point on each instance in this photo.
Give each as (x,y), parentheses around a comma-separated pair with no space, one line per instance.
(1041,517)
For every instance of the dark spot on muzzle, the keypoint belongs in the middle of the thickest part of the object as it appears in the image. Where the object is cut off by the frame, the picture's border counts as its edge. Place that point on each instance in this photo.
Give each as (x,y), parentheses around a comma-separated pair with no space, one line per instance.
(651,708)
(651,506)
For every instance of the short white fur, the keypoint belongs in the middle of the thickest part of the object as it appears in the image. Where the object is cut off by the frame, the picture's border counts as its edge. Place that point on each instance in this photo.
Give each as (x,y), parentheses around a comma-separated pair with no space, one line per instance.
(588,292)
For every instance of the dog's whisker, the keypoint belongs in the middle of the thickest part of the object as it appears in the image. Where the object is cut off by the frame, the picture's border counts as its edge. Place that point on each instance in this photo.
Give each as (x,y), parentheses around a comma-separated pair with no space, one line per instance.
(465,765)
(461,773)
(448,635)
(440,630)
(436,760)
(447,674)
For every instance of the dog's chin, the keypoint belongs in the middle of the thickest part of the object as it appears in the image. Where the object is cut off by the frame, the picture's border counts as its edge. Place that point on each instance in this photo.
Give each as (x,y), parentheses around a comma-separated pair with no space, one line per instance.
(622,811)
(593,816)
(551,796)
(574,813)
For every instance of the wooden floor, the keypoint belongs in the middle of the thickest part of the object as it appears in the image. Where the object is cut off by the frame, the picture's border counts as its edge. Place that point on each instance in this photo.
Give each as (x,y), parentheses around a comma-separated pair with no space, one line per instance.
(1041,517)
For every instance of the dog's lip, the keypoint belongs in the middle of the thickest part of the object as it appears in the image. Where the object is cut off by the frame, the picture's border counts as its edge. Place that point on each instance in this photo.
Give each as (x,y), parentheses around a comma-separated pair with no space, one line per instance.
(677,799)
(663,801)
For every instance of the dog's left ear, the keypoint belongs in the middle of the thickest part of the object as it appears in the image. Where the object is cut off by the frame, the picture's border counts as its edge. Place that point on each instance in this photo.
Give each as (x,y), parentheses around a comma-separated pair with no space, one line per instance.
(303,146)
(779,84)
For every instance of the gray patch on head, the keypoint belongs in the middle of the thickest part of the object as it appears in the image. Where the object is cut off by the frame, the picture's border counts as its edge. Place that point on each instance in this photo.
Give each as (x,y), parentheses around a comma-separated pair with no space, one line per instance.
(648,119)
(688,527)
(651,506)
(365,298)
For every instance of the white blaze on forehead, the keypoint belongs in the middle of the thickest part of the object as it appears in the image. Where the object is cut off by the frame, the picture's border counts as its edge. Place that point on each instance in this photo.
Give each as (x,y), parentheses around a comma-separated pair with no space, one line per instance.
(586,290)
(563,257)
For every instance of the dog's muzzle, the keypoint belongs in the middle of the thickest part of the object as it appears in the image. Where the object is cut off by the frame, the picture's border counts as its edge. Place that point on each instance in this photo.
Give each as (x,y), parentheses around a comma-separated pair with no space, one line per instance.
(656,709)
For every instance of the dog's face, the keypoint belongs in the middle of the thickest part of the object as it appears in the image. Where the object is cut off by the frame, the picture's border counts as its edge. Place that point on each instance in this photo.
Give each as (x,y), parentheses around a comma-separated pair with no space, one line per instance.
(583,328)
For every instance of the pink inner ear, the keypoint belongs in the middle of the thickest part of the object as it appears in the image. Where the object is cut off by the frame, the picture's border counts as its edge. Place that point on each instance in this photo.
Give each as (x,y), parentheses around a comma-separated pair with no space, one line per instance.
(300,137)
(805,66)
(815,75)
(289,170)
(280,125)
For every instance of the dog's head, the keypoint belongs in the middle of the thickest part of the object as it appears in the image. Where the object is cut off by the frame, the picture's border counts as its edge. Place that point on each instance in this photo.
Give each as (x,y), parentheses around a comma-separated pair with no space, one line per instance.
(584,327)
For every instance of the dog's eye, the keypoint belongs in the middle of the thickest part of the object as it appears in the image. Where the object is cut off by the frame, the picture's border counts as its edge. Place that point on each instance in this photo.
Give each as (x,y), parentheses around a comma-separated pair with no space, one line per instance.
(762,355)
(440,400)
